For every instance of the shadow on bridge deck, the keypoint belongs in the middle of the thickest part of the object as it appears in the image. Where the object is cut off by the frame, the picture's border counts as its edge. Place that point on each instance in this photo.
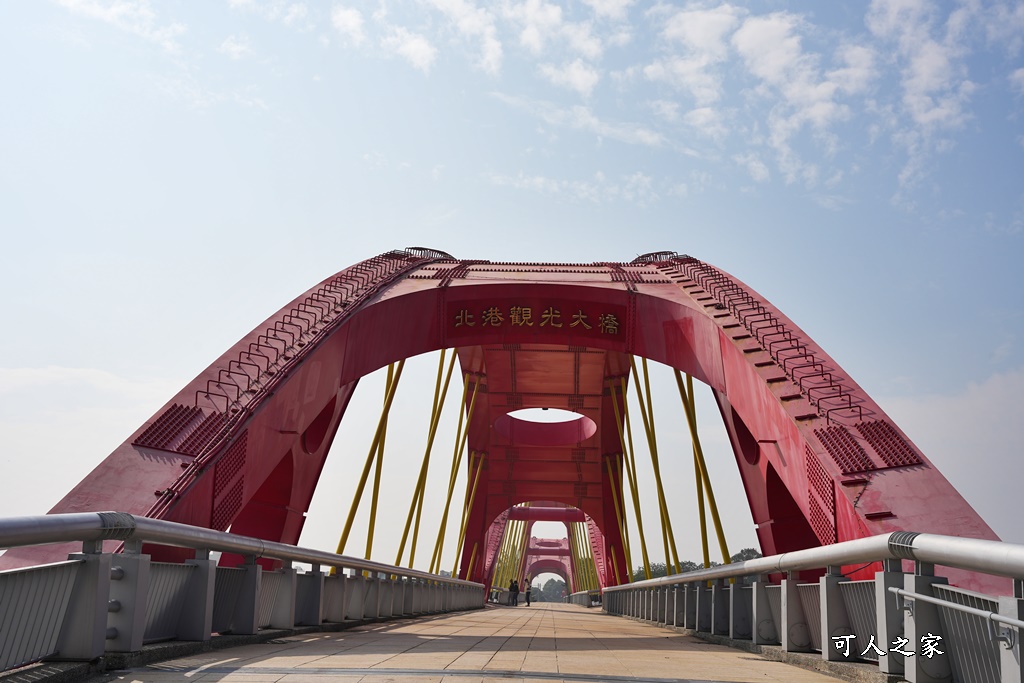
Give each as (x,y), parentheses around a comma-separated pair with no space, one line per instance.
(546,642)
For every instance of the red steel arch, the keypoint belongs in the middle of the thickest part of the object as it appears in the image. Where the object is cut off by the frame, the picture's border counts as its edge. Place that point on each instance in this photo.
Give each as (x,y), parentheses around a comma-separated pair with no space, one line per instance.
(244,443)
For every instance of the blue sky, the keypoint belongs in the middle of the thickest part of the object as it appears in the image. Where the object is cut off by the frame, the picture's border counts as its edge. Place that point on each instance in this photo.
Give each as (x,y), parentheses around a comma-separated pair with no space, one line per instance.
(172,173)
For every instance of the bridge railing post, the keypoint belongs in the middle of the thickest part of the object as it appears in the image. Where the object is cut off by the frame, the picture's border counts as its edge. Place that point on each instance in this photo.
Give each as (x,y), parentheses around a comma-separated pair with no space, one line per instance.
(889,615)
(1011,665)
(356,588)
(795,636)
(126,622)
(835,622)
(84,632)
(922,618)
(764,630)
(246,611)
(282,612)
(309,598)
(196,620)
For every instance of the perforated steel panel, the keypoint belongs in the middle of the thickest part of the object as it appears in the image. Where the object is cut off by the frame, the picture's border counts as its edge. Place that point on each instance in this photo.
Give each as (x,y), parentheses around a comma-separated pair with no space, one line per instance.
(844,449)
(271,585)
(888,443)
(774,594)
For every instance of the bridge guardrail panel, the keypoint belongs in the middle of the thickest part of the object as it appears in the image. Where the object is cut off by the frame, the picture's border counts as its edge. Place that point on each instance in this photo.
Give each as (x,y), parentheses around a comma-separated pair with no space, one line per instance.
(976,659)
(168,589)
(33,606)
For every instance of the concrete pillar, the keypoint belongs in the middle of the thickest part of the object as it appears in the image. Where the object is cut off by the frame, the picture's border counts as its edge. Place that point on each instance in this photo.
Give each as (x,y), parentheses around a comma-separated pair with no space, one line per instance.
(920,619)
(196,620)
(282,615)
(309,598)
(127,606)
(835,622)
(889,617)
(764,630)
(1010,651)
(795,635)
(84,632)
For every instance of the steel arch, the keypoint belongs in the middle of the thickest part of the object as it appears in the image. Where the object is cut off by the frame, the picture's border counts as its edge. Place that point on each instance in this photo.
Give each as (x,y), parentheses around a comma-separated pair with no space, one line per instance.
(244,443)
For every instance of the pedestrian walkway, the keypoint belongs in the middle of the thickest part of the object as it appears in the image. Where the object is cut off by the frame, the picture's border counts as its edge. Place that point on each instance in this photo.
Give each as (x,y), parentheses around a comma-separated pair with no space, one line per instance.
(543,643)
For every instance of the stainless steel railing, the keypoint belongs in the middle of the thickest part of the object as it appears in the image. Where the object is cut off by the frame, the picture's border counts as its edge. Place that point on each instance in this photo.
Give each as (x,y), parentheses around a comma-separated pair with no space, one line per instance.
(116,602)
(959,635)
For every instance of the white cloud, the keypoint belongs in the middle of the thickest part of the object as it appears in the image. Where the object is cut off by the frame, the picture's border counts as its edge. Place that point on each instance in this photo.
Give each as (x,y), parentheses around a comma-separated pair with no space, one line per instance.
(666,110)
(1017,80)
(133,16)
(754,166)
(934,78)
(296,14)
(235,47)
(539,19)
(610,9)
(973,437)
(772,51)
(636,188)
(575,75)
(349,22)
(582,118)
(414,47)
(687,73)
(582,40)
(707,121)
(859,69)
(475,23)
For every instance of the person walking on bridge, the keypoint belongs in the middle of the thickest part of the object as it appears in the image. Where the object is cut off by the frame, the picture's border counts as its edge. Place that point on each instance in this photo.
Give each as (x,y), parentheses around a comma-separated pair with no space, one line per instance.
(529,587)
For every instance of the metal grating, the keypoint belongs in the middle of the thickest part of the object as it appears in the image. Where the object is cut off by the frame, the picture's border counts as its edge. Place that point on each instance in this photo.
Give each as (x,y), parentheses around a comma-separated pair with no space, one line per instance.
(810,599)
(166,429)
(966,639)
(226,589)
(168,584)
(272,584)
(206,432)
(859,598)
(823,524)
(33,602)
(230,463)
(579,454)
(887,442)
(228,507)
(844,449)
(579,490)
(819,479)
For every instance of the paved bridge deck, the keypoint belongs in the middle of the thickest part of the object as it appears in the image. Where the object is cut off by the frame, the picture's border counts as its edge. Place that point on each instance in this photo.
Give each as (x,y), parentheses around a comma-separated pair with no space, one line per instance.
(542,643)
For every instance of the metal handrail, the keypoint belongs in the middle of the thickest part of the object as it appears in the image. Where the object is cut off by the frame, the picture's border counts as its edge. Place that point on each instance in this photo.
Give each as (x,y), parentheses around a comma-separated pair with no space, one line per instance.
(121,526)
(971,554)
(984,614)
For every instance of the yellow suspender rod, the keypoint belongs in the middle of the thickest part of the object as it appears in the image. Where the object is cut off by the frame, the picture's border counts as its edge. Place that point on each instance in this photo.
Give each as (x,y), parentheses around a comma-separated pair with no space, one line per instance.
(647,414)
(460,447)
(377,470)
(435,418)
(622,522)
(615,567)
(698,454)
(469,506)
(370,457)
(630,462)
(472,559)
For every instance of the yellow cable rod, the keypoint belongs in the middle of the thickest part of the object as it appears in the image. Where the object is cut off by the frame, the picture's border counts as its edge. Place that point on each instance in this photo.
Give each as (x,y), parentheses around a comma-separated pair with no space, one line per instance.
(618,516)
(426,458)
(472,559)
(469,506)
(627,454)
(615,567)
(435,417)
(377,470)
(369,458)
(435,561)
(691,418)
(668,537)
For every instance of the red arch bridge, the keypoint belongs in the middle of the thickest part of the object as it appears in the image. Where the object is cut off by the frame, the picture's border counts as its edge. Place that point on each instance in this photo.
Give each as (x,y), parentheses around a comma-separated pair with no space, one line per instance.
(242,447)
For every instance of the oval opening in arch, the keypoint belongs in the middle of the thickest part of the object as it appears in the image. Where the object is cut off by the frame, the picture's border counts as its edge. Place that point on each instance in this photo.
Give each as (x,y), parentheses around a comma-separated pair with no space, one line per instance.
(544,427)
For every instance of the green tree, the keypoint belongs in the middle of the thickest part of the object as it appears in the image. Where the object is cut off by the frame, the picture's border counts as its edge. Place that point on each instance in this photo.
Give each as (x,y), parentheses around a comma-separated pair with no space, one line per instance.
(658,568)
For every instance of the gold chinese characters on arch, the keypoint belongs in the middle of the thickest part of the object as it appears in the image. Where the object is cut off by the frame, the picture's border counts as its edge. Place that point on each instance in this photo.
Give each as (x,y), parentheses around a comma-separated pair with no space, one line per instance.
(546,317)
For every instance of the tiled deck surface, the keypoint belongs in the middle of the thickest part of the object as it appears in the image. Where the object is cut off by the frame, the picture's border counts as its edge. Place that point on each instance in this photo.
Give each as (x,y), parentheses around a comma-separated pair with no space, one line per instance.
(542,643)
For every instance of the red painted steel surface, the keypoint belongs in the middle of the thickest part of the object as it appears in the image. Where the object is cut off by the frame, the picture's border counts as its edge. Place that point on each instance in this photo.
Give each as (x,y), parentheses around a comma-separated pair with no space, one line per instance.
(244,443)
